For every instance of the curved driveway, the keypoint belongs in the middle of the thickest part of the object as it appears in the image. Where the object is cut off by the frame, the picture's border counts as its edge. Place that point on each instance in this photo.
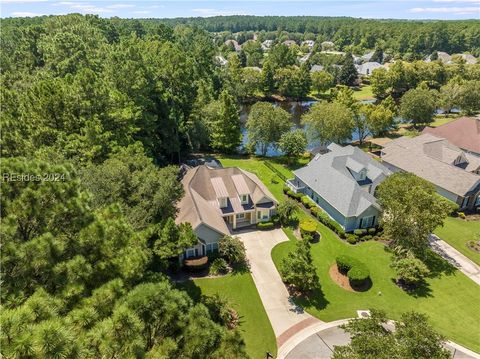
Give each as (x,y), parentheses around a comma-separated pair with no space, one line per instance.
(286,318)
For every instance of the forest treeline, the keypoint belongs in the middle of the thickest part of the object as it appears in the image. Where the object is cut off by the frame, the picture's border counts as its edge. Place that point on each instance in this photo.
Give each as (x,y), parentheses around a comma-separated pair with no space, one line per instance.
(400,36)
(90,110)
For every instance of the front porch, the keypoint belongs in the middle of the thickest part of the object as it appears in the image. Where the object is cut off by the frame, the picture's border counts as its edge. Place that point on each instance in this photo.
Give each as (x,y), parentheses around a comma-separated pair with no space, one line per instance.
(295,185)
(240,220)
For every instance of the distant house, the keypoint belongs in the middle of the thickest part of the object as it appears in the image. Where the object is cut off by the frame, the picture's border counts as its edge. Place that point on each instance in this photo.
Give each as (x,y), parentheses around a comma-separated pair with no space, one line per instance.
(316,68)
(454,173)
(368,56)
(367,68)
(218,200)
(327,45)
(267,44)
(464,133)
(309,43)
(220,60)
(469,59)
(342,182)
(235,45)
(289,42)
(441,56)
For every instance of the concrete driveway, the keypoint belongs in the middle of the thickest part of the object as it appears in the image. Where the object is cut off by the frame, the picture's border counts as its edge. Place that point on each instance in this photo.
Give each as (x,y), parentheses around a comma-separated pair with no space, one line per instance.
(285,317)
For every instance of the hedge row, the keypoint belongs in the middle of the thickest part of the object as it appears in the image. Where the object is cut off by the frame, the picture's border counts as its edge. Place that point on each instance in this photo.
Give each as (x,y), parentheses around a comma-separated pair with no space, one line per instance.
(265,225)
(327,221)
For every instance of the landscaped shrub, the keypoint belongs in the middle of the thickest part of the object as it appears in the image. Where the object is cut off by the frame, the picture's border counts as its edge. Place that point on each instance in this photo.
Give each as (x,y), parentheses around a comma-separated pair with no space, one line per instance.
(372,230)
(275,219)
(358,274)
(307,202)
(360,232)
(344,263)
(265,225)
(286,189)
(219,266)
(327,221)
(308,227)
(351,238)
(366,238)
(461,215)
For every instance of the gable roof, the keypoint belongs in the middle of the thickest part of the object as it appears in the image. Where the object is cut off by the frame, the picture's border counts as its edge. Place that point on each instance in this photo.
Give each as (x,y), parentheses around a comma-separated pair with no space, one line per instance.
(431,158)
(329,176)
(464,132)
(204,185)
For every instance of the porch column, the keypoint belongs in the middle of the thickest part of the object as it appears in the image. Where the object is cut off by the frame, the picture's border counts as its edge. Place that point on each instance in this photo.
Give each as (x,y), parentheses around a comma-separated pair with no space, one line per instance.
(234,221)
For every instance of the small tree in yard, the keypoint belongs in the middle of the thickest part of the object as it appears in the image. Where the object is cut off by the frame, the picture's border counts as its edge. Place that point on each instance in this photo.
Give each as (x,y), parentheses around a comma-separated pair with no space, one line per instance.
(298,269)
(410,270)
(221,310)
(286,210)
(413,338)
(411,210)
(293,143)
(233,250)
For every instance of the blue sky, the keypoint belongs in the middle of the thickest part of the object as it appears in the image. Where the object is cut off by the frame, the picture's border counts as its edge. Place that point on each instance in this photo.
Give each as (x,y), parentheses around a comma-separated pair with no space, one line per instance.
(399,9)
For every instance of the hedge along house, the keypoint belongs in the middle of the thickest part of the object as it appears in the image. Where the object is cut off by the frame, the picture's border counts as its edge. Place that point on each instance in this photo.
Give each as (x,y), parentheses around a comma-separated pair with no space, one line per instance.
(218,201)
(342,182)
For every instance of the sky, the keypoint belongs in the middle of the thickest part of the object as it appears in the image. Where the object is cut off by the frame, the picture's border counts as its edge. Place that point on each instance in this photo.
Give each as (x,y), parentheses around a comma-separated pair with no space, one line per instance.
(396,9)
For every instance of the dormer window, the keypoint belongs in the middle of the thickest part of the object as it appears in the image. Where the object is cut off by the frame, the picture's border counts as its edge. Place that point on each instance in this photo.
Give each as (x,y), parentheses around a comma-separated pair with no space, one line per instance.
(244,198)
(223,202)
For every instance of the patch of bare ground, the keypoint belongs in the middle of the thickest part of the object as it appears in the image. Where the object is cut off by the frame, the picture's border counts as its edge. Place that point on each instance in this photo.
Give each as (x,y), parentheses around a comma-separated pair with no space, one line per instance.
(339,278)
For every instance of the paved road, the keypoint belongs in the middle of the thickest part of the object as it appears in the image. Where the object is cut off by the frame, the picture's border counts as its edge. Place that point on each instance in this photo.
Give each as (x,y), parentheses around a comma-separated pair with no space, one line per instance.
(464,264)
(320,344)
(281,311)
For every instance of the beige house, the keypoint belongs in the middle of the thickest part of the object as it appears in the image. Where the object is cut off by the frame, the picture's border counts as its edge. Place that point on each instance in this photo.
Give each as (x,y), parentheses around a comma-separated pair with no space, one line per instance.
(218,201)
(454,172)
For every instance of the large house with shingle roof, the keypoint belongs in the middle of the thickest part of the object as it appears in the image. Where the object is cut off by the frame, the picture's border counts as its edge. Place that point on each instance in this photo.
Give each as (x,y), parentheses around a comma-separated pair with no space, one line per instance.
(218,200)
(464,132)
(454,172)
(342,182)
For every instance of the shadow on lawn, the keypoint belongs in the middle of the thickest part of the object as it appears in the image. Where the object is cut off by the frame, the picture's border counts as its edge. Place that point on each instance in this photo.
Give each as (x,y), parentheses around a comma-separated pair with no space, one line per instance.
(437,265)
(315,298)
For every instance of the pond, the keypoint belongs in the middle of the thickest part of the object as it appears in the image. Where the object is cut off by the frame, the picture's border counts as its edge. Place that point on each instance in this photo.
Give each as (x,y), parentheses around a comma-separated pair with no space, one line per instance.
(296,109)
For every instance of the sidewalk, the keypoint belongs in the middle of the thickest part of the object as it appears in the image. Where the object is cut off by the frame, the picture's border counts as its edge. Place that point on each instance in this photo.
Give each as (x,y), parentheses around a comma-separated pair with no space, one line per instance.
(457,259)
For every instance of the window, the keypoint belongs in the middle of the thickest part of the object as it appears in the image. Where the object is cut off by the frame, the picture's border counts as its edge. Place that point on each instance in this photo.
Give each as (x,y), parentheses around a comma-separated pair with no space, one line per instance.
(240,215)
(259,215)
(191,252)
(244,198)
(367,222)
(477,202)
(212,247)
(222,202)
(465,202)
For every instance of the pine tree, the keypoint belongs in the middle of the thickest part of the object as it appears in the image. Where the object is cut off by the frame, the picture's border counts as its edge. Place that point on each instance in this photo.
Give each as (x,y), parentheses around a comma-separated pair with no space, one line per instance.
(226,134)
(348,74)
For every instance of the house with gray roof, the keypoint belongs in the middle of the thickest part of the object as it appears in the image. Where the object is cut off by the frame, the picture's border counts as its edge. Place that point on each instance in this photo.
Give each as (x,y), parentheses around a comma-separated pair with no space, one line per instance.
(367,68)
(342,182)
(453,172)
(220,200)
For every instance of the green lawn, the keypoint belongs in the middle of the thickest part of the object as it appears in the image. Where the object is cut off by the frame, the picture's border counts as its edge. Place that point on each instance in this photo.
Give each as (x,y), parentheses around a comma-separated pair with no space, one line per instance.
(457,232)
(442,119)
(450,300)
(240,290)
(365,93)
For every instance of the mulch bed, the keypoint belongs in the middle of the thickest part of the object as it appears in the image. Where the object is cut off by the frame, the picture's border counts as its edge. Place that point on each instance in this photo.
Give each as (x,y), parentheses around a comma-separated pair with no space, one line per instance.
(339,278)
(342,280)
(474,246)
